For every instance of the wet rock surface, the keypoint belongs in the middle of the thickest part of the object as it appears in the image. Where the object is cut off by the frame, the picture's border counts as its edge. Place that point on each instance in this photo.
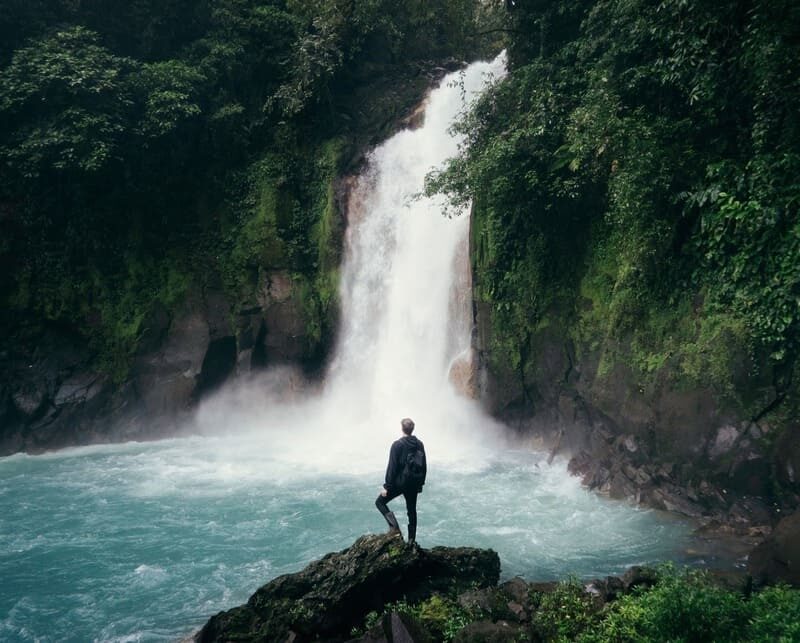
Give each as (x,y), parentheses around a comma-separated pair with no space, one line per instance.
(53,395)
(677,449)
(777,559)
(334,594)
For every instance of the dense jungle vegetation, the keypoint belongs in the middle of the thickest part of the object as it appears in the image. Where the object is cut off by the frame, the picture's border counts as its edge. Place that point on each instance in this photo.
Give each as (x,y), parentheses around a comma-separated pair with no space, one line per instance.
(635,180)
(151,148)
(641,156)
(680,605)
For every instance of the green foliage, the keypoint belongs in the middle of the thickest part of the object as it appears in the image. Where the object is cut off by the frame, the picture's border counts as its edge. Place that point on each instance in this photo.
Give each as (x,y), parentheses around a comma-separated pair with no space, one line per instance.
(251,228)
(171,88)
(564,613)
(639,166)
(65,105)
(141,139)
(753,253)
(685,605)
(774,615)
(442,617)
(528,217)
(123,310)
(287,219)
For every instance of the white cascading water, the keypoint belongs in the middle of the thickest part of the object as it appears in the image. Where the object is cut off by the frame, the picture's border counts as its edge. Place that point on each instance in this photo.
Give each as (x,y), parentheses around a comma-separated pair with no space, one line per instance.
(406,308)
(143,542)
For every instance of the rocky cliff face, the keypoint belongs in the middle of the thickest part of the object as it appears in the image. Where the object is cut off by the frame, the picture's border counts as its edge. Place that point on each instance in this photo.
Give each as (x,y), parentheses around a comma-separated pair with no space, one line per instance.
(51,396)
(665,445)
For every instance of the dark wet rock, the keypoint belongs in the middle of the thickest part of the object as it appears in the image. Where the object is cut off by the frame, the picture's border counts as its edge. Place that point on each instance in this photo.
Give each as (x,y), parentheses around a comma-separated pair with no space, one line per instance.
(333,595)
(731,580)
(484,600)
(492,602)
(517,589)
(29,399)
(778,557)
(620,485)
(639,577)
(673,498)
(749,511)
(79,389)
(787,458)
(607,589)
(542,587)
(219,364)
(416,119)
(166,378)
(518,610)
(52,395)
(724,441)
(282,337)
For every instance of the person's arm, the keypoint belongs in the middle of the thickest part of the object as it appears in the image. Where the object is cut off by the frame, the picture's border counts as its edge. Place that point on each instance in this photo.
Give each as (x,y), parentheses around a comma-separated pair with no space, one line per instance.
(424,467)
(392,467)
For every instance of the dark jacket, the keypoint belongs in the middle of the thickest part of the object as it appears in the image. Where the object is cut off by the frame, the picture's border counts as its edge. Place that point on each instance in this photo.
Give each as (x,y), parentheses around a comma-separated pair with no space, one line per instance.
(397,456)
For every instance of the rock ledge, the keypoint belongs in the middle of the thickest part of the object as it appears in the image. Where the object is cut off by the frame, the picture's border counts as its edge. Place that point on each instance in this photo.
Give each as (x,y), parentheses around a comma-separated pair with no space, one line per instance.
(334,594)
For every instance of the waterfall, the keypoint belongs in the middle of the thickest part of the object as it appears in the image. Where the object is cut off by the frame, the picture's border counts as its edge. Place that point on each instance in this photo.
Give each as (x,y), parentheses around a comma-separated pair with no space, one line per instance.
(404,345)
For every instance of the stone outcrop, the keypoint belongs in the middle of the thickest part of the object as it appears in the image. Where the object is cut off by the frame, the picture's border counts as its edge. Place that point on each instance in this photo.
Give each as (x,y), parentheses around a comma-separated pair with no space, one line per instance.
(52,394)
(48,391)
(777,559)
(334,594)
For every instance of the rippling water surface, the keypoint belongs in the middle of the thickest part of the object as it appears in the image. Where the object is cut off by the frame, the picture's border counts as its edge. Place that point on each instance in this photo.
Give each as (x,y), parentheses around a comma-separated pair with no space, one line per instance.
(142,542)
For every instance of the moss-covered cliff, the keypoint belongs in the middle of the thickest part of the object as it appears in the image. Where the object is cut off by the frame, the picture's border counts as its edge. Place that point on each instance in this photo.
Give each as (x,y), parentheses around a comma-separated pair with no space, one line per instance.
(636,244)
(170,190)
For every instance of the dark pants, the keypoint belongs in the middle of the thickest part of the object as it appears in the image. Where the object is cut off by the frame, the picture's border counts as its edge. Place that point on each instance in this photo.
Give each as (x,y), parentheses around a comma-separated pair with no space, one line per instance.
(411,505)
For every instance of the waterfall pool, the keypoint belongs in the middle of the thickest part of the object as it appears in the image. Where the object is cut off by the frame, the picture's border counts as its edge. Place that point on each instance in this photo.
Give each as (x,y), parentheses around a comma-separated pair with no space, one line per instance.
(145,541)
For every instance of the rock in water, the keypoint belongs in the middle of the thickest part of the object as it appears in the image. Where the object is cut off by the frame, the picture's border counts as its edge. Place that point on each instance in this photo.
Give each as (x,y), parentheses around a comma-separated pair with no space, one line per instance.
(334,594)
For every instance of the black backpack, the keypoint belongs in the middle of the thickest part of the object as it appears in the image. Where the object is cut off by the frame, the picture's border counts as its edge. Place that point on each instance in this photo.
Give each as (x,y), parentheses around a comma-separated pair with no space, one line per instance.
(412,476)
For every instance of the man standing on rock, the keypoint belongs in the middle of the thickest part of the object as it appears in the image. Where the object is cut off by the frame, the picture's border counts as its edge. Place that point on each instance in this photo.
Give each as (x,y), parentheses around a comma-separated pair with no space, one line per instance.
(405,474)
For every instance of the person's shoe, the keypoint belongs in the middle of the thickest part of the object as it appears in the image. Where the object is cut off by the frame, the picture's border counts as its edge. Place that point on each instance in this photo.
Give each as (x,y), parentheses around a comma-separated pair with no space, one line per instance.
(412,535)
(394,526)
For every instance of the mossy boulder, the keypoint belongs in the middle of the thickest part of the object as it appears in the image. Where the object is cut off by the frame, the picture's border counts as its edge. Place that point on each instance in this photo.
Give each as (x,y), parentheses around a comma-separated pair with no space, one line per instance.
(334,594)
